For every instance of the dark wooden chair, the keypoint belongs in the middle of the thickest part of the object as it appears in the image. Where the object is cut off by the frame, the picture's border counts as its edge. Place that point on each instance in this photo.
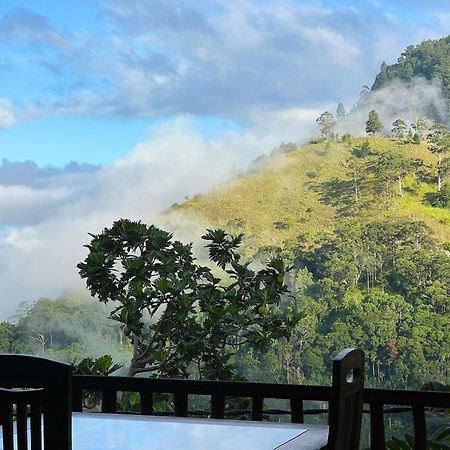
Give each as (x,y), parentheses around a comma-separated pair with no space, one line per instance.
(48,397)
(346,403)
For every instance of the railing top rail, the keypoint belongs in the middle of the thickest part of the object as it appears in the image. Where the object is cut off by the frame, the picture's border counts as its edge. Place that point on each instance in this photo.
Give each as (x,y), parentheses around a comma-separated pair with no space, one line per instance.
(202,387)
(247,389)
(410,398)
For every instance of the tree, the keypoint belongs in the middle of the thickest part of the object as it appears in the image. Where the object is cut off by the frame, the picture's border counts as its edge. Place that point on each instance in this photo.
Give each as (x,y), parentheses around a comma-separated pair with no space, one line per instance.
(439,145)
(416,139)
(364,94)
(399,128)
(326,124)
(340,113)
(391,166)
(420,127)
(180,315)
(373,124)
(356,171)
(6,336)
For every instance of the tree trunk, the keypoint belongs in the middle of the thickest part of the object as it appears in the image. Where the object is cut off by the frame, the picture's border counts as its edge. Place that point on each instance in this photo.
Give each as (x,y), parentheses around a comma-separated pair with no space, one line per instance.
(132,369)
(439,173)
(400,190)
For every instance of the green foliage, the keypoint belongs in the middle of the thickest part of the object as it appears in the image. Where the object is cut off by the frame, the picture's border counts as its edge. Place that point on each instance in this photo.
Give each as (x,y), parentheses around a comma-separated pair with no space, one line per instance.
(373,124)
(363,150)
(6,336)
(438,199)
(178,314)
(408,444)
(103,365)
(384,287)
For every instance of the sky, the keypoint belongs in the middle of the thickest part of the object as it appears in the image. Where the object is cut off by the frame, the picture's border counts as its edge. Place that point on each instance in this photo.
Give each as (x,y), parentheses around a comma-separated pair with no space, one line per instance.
(112,108)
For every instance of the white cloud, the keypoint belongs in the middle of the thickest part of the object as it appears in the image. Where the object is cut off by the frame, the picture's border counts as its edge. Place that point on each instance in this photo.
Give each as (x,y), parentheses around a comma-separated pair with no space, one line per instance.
(7,114)
(211,57)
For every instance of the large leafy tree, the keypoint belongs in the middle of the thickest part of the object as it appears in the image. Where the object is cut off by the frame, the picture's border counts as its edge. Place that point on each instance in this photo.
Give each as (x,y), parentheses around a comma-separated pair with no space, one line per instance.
(178,314)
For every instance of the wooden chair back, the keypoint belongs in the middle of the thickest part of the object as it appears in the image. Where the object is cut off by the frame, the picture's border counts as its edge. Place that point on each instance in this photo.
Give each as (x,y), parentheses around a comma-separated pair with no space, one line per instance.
(15,408)
(50,398)
(346,404)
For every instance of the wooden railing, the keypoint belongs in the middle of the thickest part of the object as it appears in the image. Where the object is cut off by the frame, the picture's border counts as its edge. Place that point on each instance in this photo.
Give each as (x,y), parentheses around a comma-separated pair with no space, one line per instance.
(376,399)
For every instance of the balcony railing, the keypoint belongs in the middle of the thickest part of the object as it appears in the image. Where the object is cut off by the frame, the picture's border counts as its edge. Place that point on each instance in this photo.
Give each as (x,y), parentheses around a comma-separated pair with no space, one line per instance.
(415,402)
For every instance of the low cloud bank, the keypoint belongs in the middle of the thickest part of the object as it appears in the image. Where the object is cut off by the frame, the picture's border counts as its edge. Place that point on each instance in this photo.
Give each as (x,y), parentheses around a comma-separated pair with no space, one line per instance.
(45,220)
(28,173)
(417,99)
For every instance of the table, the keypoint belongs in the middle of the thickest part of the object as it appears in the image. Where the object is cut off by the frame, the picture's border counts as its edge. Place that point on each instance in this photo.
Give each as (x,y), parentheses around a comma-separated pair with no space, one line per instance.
(97,431)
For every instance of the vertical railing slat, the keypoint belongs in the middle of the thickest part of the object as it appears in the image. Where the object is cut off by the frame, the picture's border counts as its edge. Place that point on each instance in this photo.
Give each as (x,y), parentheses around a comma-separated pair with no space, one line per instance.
(77,399)
(181,404)
(109,401)
(21,424)
(297,415)
(257,408)
(146,402)
(6,413)
(377,432)
(217,406)
(36,426)
(420,427)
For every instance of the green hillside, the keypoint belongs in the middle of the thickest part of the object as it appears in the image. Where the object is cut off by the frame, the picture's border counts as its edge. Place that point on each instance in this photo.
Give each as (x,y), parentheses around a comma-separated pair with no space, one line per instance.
(302,194)
(370,255)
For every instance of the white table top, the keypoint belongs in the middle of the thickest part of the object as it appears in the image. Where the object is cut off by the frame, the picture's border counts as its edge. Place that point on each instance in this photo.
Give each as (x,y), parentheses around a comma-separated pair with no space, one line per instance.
(135,432)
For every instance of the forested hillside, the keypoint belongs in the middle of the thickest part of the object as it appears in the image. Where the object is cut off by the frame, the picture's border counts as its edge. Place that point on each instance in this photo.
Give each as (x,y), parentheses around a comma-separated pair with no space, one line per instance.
(69,328)
(430,60)
(371,255)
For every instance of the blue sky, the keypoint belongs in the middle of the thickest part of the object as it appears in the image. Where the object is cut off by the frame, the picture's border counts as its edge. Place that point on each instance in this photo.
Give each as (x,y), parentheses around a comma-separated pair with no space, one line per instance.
(119,108)
(86,81)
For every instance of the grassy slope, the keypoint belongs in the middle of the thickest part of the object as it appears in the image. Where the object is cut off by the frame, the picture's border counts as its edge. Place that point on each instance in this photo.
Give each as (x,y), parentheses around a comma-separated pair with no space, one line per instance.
(290,190)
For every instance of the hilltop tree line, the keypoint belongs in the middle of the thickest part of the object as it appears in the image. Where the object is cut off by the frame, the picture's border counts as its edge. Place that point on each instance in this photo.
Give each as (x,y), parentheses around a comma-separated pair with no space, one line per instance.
(429,60)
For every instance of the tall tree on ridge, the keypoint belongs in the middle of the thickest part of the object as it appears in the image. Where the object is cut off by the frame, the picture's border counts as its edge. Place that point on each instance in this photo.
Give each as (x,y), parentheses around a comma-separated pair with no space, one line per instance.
(373,124)
(399,128)
(326,124)
(340,113)
(439,145)
(420,127)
